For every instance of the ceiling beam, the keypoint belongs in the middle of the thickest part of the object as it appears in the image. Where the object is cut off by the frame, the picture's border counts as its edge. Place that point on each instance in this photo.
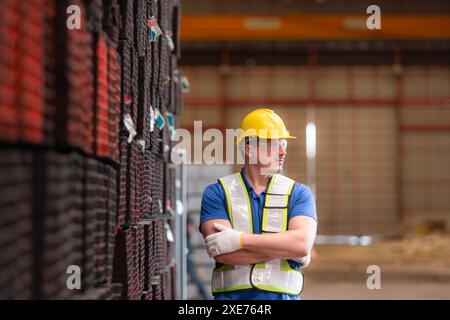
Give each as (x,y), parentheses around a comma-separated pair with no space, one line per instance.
(313,27)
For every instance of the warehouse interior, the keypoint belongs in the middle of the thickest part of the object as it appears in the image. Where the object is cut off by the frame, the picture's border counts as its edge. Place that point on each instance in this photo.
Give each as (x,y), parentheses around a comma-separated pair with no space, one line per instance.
(94,205)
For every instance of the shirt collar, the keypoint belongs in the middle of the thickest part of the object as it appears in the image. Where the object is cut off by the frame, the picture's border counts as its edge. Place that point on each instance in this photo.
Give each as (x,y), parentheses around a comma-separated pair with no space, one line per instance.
(248,185)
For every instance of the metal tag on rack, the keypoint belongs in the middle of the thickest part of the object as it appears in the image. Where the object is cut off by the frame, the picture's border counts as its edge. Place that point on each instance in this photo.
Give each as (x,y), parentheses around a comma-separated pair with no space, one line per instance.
(155,30)
(179,207)
(128,123)
(176,75)
(159,119)
(170,124)
(160,207)
(168,40)
(169,233)
(185,85)
(152,119)
(141,143)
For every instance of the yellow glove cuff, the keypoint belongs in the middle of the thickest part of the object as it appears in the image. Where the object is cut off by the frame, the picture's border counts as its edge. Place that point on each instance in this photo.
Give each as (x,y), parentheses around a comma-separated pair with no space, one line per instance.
(242,240)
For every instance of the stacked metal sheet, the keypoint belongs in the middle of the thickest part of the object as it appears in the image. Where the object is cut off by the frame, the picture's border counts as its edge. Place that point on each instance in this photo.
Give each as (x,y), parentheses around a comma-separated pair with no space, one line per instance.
(126,77)
(22,70)
(144,183)
(74,83)
(134,83)
(94,11)
(52,225)
(143,123)
(101,97)
(166,284)
(126,267)
(50,71)
(94,223)
(160,245)
(111,19)
(157,185)
(133,172)
(114,87)
(138,233)
(16,224)
(123,182)
(76,207)
(85,192)
(150,265)
(111,223)
(140,26)
(157,288)
(127,15)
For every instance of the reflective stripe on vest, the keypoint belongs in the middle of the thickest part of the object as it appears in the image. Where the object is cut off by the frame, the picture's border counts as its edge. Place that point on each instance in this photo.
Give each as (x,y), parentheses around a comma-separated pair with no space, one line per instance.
(275,275)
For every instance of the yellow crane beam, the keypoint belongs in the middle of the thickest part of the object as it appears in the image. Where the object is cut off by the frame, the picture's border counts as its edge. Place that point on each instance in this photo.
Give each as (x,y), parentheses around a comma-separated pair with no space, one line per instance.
(313,27)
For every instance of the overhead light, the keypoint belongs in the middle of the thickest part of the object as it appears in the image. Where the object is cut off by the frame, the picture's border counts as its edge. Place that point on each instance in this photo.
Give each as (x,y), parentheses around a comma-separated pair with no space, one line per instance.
(310,140)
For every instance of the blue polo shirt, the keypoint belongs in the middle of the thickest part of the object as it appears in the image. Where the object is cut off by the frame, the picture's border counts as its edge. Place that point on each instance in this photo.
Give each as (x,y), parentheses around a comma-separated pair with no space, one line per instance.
(214,207)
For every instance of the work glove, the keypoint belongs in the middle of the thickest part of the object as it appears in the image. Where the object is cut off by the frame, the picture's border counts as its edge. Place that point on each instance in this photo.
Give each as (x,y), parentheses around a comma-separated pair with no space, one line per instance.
(225,241)
(304,261)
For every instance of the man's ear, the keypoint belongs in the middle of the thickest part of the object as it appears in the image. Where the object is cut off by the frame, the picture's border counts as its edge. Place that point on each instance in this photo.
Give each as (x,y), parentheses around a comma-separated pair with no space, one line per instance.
(247,150)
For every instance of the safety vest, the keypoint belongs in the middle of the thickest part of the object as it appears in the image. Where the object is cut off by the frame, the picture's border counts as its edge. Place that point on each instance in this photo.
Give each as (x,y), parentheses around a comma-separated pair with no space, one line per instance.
(275,275)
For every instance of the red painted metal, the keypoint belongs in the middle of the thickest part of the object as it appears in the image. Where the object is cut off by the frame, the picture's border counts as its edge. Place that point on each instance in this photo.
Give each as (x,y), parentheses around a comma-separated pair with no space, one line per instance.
(355,102)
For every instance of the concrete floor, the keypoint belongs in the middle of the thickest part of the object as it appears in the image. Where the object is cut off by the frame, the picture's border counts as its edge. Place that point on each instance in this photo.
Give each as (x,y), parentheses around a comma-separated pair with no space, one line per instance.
(346,290)
(415,268)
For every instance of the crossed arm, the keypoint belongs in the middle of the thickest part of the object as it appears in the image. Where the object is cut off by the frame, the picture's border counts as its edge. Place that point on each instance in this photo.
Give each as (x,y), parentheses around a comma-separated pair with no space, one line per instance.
(295,243)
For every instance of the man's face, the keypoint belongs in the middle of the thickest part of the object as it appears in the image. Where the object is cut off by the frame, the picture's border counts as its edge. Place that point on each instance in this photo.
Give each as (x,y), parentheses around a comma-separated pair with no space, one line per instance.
(270,154)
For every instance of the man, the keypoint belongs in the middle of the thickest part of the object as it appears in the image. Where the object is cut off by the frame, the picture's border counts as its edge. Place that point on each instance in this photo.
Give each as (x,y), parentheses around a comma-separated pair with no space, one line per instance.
(259,225)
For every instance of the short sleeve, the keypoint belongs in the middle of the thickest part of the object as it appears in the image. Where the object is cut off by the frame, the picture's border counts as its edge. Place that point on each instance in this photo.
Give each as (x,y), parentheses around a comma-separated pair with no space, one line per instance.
(302,202)
(213,204)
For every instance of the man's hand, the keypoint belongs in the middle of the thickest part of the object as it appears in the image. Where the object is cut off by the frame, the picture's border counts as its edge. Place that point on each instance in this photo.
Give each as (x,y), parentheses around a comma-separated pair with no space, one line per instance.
(225,241)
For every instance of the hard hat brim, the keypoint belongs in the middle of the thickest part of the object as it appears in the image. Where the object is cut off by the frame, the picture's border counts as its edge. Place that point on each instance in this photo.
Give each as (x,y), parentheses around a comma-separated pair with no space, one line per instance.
(265,136)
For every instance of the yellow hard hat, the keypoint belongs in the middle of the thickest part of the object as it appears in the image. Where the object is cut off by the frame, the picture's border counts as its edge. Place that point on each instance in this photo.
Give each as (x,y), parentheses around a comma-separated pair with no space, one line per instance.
(265,124)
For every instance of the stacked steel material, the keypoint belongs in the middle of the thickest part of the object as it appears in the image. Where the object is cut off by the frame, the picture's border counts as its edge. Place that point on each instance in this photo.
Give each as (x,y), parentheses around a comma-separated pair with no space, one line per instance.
(140,26)
(160,245)
(126,12)
(150,265)
(126,265)
(22,71)
(88,195)
(16,227)
(157,185)
(112,19)
(157,288)
(124,196)
(139,237)
(50,71)
(114,93)
(133,176)
(144,185)
(164,53)
(53,241)
(76,207)
(74,83)
(101,97)
(94,223)
(94,12)
(144,104)
(111,221)
(126,77)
